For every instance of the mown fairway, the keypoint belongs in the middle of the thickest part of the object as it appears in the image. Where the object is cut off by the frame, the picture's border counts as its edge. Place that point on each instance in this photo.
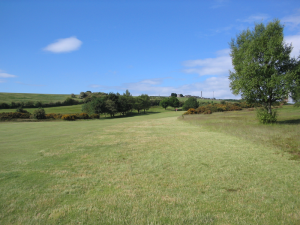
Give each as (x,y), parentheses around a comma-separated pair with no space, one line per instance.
(152,169)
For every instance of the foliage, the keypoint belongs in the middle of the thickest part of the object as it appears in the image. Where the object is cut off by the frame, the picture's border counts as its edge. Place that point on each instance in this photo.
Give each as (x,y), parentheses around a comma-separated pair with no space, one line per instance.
(181,95)
(95,116)
(263,70)
(82,95)
(69,117)
(39,114)
(265,117)
(111,107)
(73,96)
(190,103)
(210,108)
(145,101)
(297,104)
(165,103)
(138,104)
(14,115)
(53,116)
(21,110)
(173,95)
(174,102)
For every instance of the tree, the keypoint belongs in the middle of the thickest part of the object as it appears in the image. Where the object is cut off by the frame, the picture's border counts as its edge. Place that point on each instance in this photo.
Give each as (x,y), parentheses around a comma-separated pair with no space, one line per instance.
(181,95)
(263,72)
(164,103)
(138,104)
(174,102)
(111,107)
(190,103)
(145,102)
(173,95)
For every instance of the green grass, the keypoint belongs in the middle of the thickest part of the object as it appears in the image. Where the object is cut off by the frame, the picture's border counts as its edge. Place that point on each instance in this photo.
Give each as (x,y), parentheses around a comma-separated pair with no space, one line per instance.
(25,97)
(147,169)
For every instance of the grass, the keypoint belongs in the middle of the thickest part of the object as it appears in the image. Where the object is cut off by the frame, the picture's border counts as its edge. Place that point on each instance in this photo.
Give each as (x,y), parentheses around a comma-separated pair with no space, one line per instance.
(282,136)
(25,97)
(147,169)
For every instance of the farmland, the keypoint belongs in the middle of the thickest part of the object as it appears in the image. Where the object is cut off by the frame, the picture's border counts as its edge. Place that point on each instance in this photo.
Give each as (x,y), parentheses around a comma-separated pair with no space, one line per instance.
(153,168)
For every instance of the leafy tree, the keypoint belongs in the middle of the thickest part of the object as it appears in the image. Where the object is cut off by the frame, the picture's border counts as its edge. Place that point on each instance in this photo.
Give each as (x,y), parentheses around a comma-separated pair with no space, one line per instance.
(165,103)
(145,102)
(190,103)
(181,95)
(111,107)
(138,104)
(173,95)
(174,102)
(263,70)
(82,95)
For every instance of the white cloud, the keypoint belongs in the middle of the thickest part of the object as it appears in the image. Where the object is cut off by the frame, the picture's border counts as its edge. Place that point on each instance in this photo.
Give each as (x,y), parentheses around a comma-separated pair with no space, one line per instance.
(295,40)
(6,75)
(256,18)
(217,87)
(292,21)
(210,66)
(64,45)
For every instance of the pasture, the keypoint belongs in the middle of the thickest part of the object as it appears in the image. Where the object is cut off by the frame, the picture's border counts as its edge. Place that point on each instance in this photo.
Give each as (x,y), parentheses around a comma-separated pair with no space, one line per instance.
(155,168)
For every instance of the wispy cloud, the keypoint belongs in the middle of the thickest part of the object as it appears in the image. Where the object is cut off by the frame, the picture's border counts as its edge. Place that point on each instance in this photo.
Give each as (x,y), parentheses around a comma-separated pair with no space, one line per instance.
(2,81)
(217,87)
(260,17)
(6,75)
(64,45)
(291,21)
(218,3)
(295,40)
(33,85)
(210,66)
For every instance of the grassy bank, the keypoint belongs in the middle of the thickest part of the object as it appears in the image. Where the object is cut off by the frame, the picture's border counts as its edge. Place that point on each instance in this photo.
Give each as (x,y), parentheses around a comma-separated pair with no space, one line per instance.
(25,97)
(148,169)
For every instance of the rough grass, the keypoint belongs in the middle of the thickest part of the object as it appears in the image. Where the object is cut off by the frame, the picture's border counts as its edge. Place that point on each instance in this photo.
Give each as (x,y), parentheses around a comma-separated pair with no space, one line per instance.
(25,97)
(284,135)
(152,169)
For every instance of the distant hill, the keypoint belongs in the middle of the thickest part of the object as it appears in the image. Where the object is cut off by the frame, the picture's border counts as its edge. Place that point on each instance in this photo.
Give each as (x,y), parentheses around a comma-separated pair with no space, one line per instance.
(25,97)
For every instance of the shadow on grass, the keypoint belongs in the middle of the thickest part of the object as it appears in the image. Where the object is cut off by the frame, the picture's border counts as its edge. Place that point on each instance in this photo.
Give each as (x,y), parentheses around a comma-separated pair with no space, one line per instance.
(132,114)
(292,121)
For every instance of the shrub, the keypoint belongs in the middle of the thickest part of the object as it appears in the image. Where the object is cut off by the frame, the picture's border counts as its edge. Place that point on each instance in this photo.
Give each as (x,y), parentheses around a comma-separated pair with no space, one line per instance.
(73,96)
(21,110)
(14,115)
(39,114)
(69,117)
(83,116)
(265,117)
(95,116)
(53,116)
(191,111)
(297,104)
(190,103)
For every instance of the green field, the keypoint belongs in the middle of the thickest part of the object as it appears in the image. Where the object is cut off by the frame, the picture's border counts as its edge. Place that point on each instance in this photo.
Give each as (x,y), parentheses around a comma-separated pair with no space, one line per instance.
(155,168)
(24,97)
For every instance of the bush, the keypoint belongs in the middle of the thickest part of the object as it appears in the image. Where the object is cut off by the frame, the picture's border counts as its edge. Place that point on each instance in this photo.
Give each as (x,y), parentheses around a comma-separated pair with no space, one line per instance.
(73,96)
(14,115)
(265,117)
(95,116)
(21,110)
(190,103)
(83,116)
(69,117)
(53,116)
(39,114)
(297,104)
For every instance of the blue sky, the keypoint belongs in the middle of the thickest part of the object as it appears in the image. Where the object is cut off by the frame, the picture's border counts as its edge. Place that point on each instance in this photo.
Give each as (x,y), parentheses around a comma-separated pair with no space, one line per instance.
(151,47)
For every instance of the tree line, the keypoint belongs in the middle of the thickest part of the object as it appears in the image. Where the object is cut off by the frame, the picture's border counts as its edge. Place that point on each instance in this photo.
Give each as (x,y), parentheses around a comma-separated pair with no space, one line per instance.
(113,103)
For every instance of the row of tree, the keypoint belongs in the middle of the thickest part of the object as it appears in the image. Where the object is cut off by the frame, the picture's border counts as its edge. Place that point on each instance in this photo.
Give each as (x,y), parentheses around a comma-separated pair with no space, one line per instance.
(116,103)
